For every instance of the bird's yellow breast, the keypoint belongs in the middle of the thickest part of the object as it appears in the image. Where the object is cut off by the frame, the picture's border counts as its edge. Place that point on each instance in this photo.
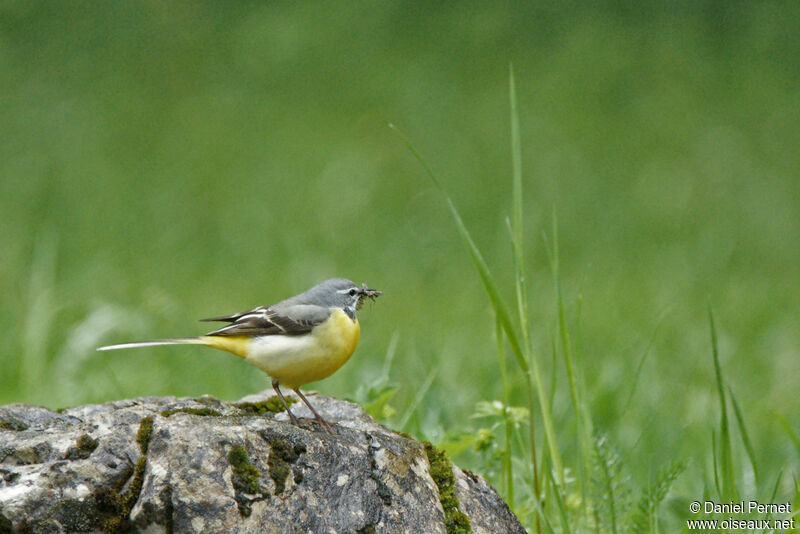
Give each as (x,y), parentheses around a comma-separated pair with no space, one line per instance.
(298,360)
(340,334)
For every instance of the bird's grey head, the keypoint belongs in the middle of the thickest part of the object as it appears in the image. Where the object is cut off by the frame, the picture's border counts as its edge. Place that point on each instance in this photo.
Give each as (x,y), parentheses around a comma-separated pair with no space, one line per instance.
(341,293)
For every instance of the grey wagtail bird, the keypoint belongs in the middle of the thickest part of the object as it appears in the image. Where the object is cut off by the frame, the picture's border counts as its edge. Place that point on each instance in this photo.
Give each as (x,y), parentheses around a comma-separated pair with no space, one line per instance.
(302,339)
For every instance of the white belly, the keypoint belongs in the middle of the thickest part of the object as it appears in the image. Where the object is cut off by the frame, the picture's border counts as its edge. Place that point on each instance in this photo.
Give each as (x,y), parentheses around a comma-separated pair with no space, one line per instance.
(298,360)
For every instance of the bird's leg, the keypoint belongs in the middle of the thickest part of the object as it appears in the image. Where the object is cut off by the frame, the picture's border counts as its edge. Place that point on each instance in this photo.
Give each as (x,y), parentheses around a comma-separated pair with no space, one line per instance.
(320,419)
(277,389)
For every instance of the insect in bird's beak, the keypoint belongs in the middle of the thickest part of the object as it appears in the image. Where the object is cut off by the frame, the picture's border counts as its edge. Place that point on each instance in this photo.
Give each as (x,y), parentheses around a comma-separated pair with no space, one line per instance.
(366,292)
(371,293)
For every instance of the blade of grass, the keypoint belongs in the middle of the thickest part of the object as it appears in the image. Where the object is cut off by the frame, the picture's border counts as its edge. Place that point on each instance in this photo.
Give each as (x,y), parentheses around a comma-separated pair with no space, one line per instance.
(489,284)
(516,227)
(508,472)
(727,475)
(501,311)
(715,462)
(642,359)
(519,261)
(528,348)
(389,358)
(562,325)
(748,445)
(583,424)
(787,427)
(516,167)
(553,370)
(774,494)
(541,513)
(418,398)
(562,510)
(39,316)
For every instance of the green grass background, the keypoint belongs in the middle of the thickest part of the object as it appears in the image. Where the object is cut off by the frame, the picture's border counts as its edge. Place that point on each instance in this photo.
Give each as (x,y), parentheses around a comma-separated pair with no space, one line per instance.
(163,162)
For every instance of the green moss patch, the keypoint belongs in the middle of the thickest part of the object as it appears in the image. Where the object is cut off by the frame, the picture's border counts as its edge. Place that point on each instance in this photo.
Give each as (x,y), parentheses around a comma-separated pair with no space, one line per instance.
(207,412)
(245,474)
(455,521)
(84,447)
(245,479)
(144,434)
(10,423)
(115,506)
(5,524)
(271,405)
(280,462)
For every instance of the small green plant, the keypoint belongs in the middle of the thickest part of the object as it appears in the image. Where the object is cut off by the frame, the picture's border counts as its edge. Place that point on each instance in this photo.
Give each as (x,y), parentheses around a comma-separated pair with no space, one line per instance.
(645,517)
(609,486)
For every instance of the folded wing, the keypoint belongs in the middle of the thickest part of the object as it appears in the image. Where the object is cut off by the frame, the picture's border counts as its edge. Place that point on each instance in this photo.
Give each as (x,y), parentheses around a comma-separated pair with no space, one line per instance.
(271,321)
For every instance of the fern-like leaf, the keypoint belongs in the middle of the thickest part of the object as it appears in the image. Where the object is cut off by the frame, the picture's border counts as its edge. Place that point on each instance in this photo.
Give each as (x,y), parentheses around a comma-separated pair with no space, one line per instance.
(609,486)
(644,516)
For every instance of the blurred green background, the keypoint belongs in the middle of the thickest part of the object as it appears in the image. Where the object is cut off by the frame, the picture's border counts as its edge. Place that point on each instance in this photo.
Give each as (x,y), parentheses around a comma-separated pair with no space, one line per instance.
(166,161)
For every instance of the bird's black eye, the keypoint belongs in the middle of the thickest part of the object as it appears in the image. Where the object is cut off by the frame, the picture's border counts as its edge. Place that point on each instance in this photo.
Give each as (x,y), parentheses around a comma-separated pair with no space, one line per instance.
(352,293)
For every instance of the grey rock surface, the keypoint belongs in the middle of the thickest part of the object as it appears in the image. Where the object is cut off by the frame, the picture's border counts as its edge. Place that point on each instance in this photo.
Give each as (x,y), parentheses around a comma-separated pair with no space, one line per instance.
(166,464)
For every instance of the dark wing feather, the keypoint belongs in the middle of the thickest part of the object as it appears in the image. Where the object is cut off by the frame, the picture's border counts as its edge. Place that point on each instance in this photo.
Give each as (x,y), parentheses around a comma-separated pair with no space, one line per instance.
(236,316)
(265,321)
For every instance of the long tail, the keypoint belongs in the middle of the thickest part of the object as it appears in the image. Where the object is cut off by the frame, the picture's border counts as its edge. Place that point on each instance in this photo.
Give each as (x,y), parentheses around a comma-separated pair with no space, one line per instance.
(157,342)
(238,345)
